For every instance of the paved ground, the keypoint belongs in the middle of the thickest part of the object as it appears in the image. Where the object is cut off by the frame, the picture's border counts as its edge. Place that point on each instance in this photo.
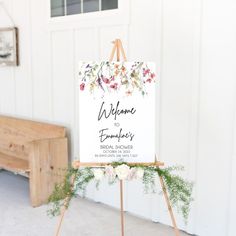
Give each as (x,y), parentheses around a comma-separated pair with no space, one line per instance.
(84,218)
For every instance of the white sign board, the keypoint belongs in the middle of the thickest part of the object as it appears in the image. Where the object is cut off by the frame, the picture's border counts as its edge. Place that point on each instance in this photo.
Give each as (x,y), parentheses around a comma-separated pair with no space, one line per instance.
(117,112)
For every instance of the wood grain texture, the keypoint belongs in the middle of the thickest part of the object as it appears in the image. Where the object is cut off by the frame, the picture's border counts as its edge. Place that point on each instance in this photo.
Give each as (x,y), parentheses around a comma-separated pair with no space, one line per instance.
(13,164)
(15,135)
(36,149)
(48,166)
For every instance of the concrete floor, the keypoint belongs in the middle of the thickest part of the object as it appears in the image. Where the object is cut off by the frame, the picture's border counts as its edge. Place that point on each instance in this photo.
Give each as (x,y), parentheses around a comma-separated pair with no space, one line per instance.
(84,218)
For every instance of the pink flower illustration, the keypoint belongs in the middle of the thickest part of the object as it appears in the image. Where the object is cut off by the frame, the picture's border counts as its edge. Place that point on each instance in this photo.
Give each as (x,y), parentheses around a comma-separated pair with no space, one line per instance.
(128,93)
(146,72)
(82,86)
(114,86)
(105,80)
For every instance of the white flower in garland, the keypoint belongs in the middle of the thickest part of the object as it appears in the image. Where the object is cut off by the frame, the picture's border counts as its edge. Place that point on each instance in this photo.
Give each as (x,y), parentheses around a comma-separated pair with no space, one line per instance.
(98,173)
(122,171)
(132,174)
(139,173)
(110,172)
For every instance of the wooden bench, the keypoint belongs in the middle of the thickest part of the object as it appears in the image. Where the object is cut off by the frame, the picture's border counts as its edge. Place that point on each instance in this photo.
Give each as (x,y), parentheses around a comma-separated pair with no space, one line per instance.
(36,150)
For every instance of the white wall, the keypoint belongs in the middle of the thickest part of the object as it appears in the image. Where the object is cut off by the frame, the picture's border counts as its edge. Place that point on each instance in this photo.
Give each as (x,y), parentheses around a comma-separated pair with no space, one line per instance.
(194,45)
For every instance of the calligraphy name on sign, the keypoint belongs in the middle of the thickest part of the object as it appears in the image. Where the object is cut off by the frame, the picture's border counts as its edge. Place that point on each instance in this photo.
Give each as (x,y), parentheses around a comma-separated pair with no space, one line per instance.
(117,112)
(113,113)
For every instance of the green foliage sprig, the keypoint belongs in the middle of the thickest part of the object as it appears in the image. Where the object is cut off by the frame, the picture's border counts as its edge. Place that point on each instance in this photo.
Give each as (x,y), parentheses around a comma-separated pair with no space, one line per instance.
(62,192)
(77,180)
(179,189)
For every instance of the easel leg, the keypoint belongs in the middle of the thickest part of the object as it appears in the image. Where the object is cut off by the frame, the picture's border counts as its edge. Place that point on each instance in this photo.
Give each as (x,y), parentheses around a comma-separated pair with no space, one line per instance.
(122,209)
(61,219)
(177,233)
(66,201)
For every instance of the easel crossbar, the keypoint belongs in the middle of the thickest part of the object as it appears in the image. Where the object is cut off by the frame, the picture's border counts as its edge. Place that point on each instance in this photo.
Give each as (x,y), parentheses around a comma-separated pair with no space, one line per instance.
(98,164)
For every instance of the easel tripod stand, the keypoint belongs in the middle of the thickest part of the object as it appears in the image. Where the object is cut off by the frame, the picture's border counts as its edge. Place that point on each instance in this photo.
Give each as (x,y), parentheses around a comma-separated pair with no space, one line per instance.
(119,50)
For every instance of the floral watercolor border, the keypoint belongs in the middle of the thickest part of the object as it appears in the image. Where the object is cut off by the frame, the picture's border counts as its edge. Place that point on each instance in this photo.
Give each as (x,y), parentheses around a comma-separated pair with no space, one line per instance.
(116,76)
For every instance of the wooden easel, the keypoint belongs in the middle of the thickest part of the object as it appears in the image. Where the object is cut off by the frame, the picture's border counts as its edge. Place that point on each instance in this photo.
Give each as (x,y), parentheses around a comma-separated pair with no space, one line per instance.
(119,50)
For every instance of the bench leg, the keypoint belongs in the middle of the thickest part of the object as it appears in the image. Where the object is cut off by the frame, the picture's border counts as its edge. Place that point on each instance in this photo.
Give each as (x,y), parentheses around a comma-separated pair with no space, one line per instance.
(48,164)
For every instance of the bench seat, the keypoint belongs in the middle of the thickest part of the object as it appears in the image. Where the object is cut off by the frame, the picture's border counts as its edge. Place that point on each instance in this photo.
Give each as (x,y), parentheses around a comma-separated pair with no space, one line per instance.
(36,150)
(14,164)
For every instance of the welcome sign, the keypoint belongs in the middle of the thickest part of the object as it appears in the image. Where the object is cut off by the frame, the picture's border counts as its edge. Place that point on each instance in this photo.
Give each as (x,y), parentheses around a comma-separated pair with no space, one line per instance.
(117,111)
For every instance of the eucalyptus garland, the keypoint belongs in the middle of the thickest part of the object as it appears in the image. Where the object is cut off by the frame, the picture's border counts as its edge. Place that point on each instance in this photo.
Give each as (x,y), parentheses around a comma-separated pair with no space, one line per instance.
(77,179)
